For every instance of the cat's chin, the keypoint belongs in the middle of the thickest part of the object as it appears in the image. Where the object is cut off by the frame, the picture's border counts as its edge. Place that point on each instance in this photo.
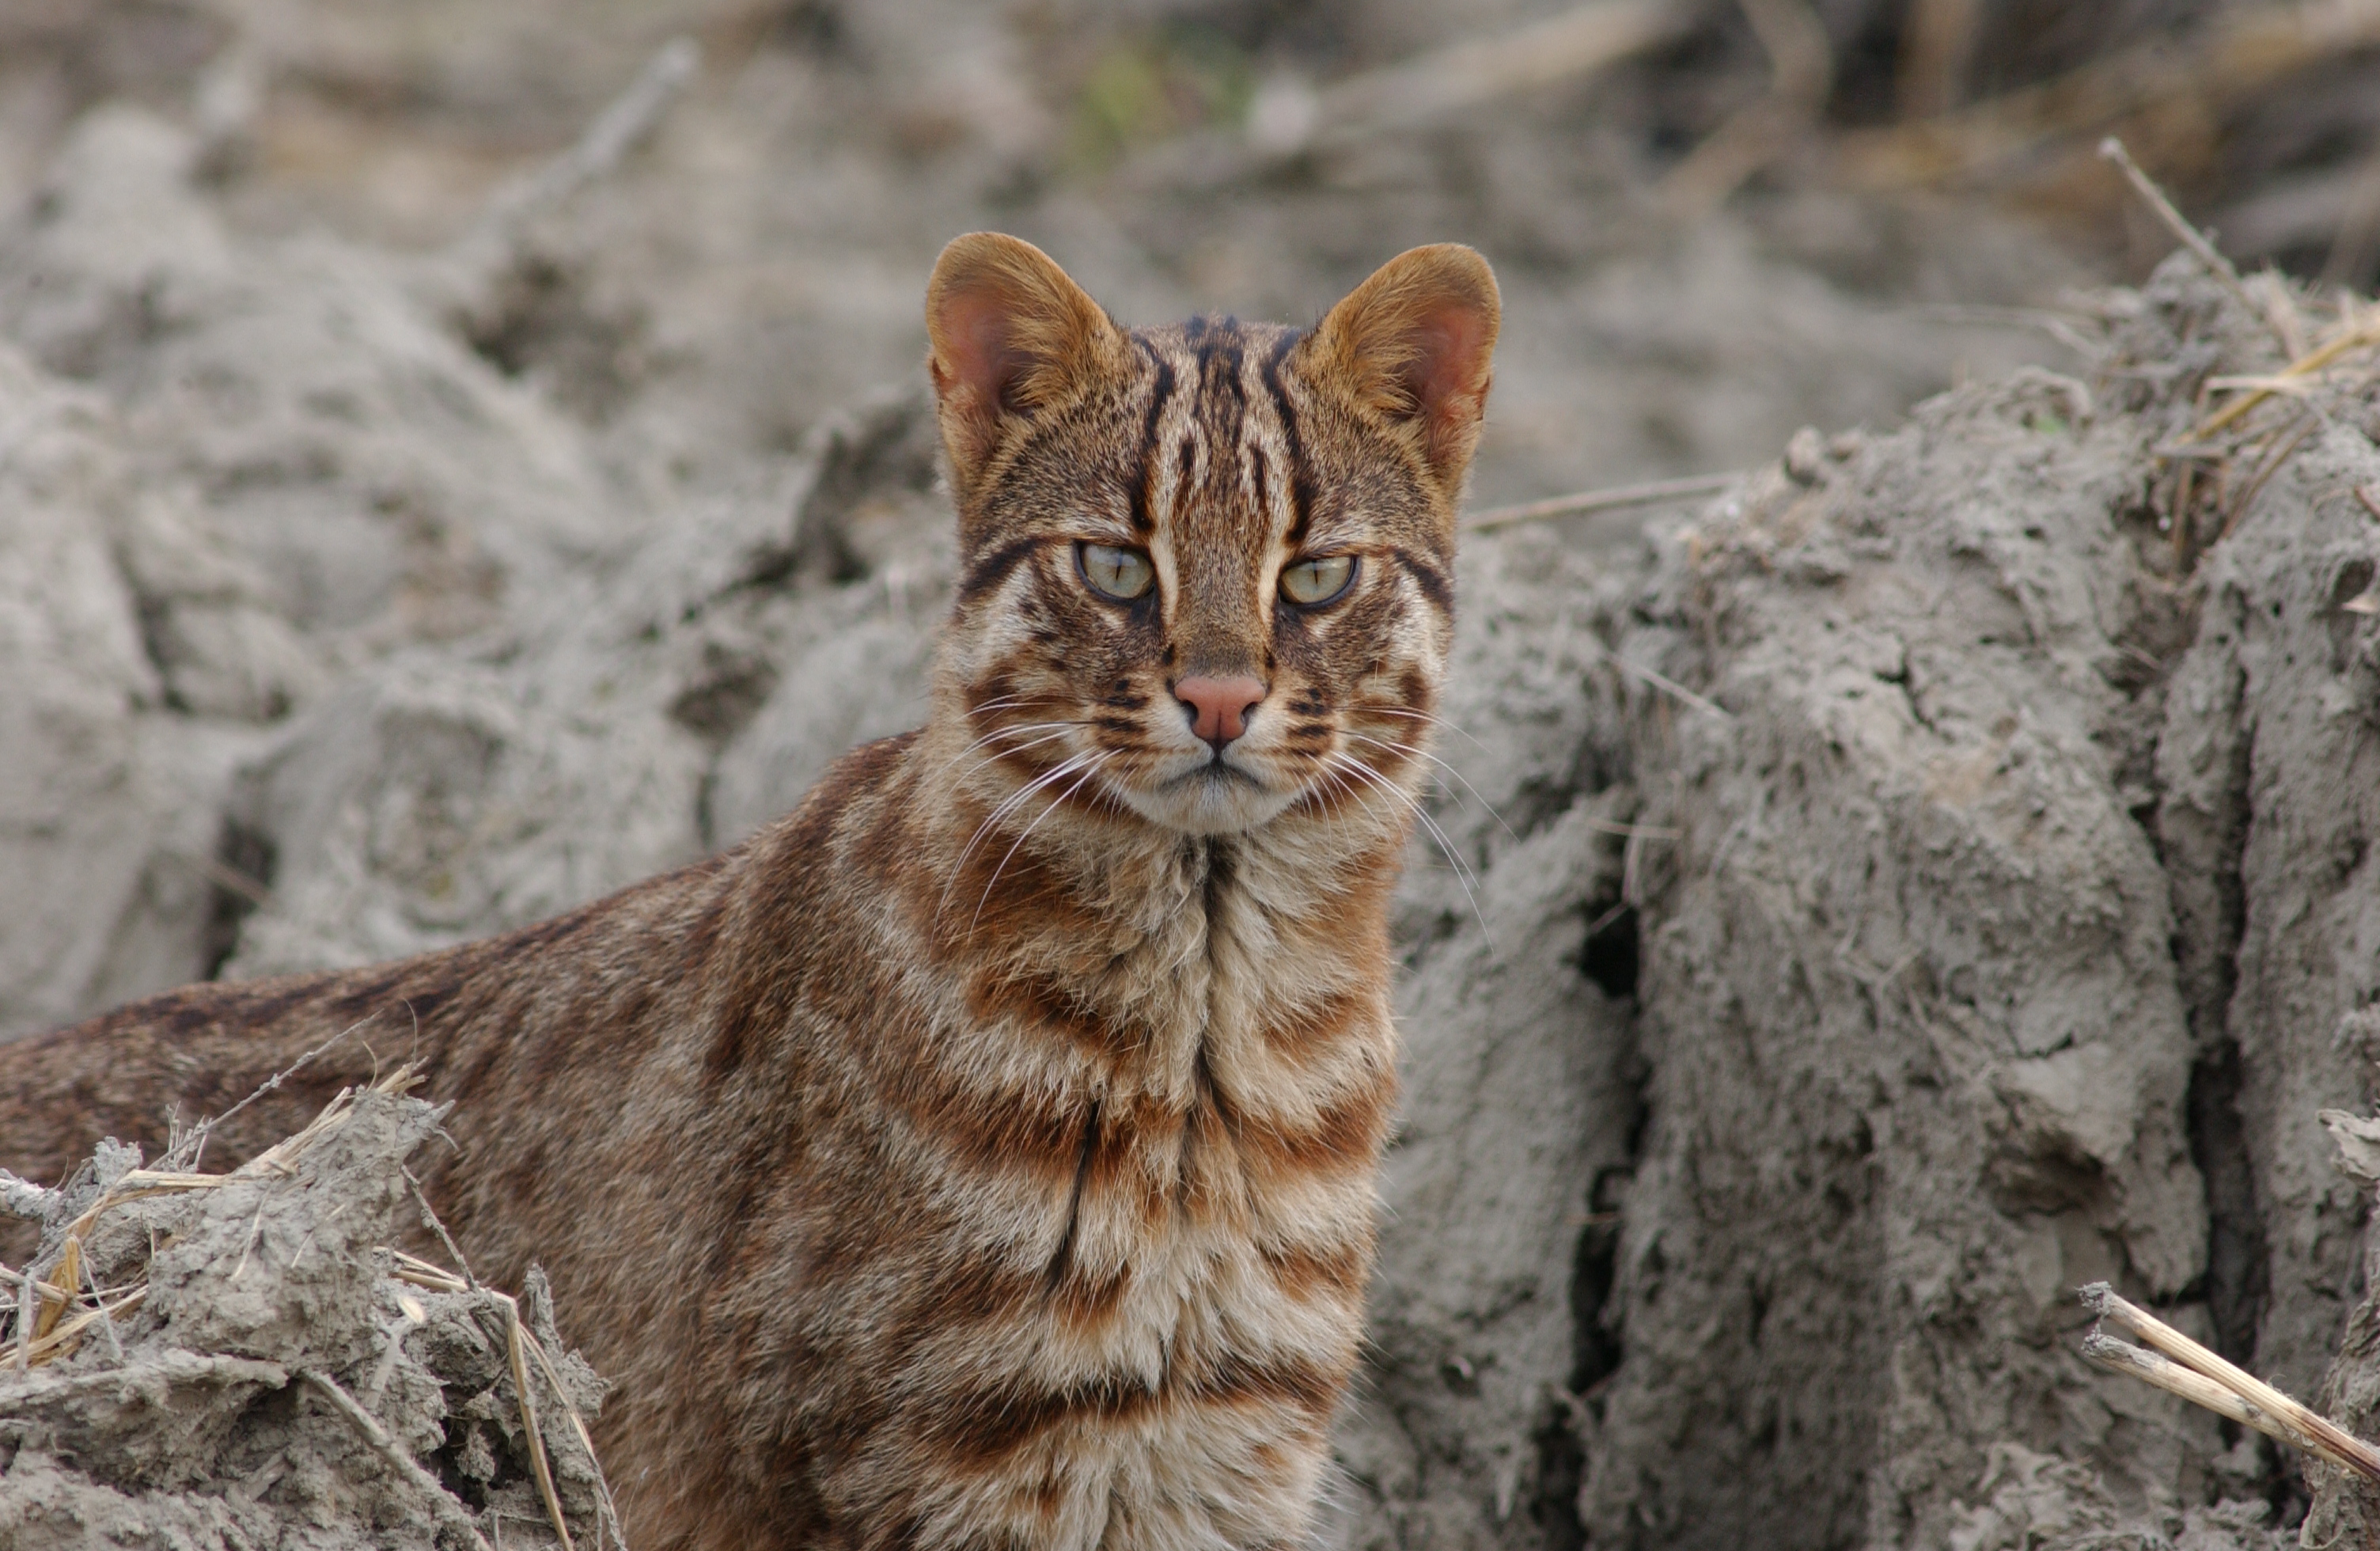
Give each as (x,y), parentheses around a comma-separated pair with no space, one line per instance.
(1212,800)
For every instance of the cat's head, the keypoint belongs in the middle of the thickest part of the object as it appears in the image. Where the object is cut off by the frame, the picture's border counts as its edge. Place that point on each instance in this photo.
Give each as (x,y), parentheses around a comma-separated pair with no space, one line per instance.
(1206,571)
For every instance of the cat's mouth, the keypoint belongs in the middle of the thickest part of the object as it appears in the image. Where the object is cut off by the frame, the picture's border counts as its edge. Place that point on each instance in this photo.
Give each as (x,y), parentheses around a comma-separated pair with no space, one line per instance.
(1221,771)
(1214,797)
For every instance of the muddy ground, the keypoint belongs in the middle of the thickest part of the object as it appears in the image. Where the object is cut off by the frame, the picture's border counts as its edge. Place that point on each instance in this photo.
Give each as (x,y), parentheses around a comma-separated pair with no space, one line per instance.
(1932,874)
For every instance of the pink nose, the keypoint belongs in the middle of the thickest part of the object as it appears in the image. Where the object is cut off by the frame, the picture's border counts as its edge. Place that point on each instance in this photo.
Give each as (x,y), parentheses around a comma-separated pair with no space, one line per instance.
(1219,708)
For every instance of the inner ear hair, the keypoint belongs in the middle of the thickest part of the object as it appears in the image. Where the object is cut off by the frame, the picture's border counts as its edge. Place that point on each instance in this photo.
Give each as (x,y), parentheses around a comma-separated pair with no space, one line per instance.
(1008,332)
(1414,345)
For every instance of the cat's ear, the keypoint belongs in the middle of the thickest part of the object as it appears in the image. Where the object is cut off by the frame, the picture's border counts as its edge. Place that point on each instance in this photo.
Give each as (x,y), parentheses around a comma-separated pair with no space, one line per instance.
(1412,344)
(1008,334)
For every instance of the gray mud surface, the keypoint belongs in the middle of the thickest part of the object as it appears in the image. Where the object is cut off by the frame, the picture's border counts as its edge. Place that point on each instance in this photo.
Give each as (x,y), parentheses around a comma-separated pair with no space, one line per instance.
(252,1315)
(1932,874)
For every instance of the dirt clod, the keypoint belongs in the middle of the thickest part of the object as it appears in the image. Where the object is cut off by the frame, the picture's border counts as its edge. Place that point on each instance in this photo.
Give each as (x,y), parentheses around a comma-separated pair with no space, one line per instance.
(273,1372)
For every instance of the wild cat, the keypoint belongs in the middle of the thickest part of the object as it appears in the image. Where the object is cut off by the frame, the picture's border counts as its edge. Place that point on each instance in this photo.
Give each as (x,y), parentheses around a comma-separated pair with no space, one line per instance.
(983,1154)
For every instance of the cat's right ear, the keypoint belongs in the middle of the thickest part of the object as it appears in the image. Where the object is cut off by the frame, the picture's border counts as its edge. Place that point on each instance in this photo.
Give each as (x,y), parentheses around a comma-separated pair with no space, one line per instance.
(1008,334)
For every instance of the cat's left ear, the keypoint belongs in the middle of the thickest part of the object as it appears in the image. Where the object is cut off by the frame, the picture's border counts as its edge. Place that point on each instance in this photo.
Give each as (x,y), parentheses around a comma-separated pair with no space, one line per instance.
(1413,343)
(1009,332)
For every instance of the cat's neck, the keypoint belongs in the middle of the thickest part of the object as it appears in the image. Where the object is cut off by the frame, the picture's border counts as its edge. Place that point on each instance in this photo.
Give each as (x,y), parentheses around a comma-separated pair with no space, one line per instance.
(1177,937)
(1014,844)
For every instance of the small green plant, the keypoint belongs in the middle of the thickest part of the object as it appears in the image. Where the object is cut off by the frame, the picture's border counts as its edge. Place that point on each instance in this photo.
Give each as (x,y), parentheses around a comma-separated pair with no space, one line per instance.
(1163,82)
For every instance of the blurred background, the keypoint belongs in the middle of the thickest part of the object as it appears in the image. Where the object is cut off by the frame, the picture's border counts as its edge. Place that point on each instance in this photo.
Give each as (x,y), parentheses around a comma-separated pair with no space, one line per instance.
(1715,222)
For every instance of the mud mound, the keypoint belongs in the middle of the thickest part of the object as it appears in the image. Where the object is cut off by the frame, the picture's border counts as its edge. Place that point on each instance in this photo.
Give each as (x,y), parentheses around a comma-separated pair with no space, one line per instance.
(1931,877)
(237,1360)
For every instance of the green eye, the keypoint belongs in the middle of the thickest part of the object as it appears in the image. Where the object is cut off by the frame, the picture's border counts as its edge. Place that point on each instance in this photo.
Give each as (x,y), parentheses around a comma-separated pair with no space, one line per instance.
(1319,579)
(1119,573)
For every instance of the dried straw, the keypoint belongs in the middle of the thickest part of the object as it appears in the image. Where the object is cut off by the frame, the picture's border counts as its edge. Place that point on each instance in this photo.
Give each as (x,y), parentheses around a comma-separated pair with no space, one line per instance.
(2199,1376)
(1652,493)
(52,1316)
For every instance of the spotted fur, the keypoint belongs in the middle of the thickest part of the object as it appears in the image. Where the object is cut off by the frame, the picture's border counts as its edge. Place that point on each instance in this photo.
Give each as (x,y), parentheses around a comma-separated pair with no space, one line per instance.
(983,1156)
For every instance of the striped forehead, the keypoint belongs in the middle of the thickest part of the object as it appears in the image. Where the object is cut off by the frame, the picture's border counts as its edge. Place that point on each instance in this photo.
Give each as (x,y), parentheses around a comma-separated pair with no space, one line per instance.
(1220,464)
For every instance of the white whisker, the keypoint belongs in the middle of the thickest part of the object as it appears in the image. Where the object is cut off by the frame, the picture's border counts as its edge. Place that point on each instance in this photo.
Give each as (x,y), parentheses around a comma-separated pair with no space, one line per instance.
(1016,730)
(1462,875)
(1349,761)
(1008,805)
(1054,804)
(1449,769)
(997,755)
(1431,718)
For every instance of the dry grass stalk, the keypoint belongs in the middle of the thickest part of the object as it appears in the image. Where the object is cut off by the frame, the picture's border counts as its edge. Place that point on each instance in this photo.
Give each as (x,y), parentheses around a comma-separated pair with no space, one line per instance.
(2354,336)
(2204,1378)
(538,1462)
(1668,685)
(2306,427)
(1651,492)
(52,1318)
(519,1345)
(2268,296)
(2112,150)
(189,1150)
(107,1321)
(2238,55)
(52,1321)
(1800,77)
(68,1274)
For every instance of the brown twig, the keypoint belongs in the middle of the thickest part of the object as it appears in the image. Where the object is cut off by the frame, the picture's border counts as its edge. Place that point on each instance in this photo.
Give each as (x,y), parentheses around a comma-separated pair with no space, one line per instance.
(197,1141)
(2192,237)
(2204,1378)
(1649,494)
(429,1217)
(441,1502)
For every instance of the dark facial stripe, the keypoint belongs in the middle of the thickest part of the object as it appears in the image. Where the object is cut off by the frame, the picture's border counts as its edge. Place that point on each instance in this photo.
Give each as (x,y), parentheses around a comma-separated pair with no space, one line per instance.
(1218,369)
(1427,576)
(989,572)
(1145,461)
(1301,479)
